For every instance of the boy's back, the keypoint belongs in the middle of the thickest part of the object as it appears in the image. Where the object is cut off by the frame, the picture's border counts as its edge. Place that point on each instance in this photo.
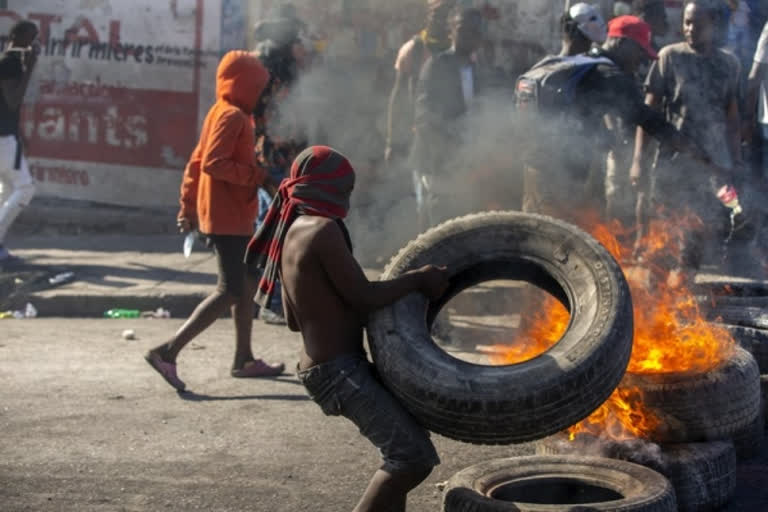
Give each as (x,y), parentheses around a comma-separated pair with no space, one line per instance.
(313,303)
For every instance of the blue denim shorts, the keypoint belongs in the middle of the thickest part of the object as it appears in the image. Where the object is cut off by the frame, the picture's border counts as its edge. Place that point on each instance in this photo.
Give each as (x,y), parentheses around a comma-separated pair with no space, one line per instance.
(347,386)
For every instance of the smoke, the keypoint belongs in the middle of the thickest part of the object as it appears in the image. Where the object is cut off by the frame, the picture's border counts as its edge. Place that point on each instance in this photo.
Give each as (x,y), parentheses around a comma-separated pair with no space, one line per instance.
(639,451)
(343,104)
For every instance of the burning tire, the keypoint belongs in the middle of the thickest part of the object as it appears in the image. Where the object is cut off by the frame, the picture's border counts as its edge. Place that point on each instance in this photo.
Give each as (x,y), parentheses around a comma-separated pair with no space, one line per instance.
(562,483)
(755,341)
(702,407)
(515,403)
(702,474)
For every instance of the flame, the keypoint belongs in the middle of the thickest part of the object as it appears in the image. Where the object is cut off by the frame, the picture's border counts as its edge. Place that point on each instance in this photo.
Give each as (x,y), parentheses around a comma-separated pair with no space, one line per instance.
(545,328)
(671,335)
(622,417)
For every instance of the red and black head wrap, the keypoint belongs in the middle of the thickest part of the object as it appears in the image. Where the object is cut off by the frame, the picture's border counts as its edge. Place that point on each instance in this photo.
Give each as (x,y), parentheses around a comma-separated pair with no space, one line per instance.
(320,184)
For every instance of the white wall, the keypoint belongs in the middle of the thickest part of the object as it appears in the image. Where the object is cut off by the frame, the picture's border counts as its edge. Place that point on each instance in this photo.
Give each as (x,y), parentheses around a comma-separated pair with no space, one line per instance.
(113,115)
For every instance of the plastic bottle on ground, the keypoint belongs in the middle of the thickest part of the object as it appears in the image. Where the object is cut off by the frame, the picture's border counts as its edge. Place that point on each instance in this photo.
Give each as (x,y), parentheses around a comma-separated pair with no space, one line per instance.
(61,278)
(122,313)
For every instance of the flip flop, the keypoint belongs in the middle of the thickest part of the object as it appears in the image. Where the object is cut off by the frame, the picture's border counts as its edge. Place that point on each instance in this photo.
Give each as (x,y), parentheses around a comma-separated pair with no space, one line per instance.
(258,368)
(166,370)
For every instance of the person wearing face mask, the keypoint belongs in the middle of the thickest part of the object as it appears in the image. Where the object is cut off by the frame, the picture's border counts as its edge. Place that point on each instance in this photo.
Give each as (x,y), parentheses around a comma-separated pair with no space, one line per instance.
(327,298)
(581,26)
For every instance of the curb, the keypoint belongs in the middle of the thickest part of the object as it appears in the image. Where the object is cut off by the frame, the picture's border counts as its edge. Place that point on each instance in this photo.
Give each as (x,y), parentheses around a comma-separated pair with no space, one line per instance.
(93,306)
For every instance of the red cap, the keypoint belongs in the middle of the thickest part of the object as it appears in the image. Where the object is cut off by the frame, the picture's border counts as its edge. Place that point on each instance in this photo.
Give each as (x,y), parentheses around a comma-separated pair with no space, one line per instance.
(632,27)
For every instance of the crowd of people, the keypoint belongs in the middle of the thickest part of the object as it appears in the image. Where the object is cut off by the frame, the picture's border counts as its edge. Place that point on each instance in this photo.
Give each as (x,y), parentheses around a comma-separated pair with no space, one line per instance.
(611,124)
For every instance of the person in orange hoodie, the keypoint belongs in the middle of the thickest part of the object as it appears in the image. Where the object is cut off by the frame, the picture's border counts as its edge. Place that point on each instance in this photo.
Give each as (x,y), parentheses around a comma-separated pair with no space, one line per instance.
(219,197)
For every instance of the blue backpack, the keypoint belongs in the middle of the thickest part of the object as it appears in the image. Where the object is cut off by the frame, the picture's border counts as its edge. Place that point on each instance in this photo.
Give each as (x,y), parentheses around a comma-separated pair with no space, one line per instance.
(550,86)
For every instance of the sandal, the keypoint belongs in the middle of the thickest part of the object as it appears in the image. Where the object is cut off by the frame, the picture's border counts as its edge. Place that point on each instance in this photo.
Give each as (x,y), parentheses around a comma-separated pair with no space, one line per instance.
(258,368)
(166,370)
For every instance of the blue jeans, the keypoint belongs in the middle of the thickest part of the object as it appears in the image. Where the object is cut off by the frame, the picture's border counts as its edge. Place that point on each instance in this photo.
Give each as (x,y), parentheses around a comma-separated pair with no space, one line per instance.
(349,386)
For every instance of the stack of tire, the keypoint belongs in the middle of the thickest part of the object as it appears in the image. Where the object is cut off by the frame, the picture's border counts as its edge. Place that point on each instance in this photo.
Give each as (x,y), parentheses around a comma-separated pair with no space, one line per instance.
(709,422)
(527,401)
(742,309)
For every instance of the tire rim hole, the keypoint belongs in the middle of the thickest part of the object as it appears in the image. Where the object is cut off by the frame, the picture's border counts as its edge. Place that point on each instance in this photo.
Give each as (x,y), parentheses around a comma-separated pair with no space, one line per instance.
(500,323)
(554,491)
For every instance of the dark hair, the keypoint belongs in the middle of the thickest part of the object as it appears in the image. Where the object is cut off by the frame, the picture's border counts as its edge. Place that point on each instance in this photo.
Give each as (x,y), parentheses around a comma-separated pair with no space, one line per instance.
(642,6)
(714,8)
(471,14)
(22,27)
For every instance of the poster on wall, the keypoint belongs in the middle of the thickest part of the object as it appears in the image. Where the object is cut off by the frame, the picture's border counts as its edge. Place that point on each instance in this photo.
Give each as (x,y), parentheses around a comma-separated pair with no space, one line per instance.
(117,95)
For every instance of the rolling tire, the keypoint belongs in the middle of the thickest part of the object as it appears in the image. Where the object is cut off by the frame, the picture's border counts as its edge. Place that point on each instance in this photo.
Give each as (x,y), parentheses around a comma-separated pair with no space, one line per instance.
(702,474)
(500,485)
(515,403)
(702,407)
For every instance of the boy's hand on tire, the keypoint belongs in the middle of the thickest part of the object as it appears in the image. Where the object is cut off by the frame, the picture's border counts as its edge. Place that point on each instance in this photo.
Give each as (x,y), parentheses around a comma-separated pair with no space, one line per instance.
(434,281)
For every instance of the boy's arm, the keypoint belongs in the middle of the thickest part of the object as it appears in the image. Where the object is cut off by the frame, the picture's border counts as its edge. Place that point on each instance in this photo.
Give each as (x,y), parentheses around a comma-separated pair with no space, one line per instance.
(218,161)
(356,290)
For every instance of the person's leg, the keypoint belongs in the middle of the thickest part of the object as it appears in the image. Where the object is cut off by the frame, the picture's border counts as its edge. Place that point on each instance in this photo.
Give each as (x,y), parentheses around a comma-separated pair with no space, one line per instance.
(348,386)
(22,188)
(202,317)
(242,314)
(207,311)
(388,491)
(245,365)
(405,446)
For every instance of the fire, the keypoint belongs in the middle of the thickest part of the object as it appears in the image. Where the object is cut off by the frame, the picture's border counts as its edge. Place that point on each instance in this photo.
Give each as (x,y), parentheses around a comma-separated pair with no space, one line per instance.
(541,331)
(671,334)
(622,417)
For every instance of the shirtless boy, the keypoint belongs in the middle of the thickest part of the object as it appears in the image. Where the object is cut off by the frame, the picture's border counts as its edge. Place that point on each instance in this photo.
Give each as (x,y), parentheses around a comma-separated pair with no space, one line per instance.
(328,299)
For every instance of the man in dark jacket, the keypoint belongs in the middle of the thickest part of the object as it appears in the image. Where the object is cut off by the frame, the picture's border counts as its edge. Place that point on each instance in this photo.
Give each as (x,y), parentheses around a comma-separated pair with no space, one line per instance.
(445,92)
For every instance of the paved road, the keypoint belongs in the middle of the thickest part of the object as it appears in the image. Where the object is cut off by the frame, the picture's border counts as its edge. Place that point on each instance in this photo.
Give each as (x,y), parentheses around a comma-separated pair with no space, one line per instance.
(87,426)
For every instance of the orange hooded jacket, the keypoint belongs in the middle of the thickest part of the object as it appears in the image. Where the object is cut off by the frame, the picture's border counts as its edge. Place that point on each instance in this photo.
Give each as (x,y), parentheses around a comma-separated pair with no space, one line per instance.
(221,180)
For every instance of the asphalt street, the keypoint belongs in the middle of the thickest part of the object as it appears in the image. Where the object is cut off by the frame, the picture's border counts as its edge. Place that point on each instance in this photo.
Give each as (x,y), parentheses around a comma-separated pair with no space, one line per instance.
(88,426)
